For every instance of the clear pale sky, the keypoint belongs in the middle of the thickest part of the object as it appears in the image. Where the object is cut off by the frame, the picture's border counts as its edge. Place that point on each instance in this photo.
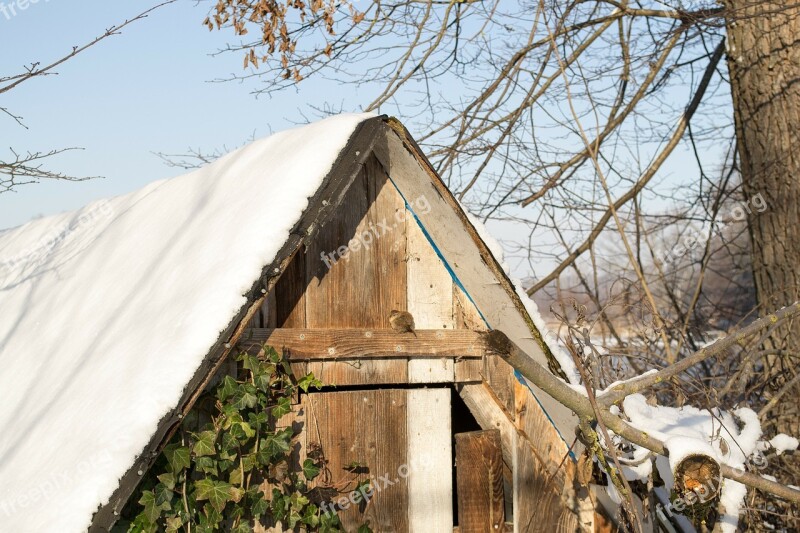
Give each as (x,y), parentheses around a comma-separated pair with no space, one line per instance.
(143,91)
(146,90)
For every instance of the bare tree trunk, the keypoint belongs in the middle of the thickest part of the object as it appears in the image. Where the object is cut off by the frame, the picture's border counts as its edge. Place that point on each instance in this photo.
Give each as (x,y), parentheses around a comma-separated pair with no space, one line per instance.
(764,66)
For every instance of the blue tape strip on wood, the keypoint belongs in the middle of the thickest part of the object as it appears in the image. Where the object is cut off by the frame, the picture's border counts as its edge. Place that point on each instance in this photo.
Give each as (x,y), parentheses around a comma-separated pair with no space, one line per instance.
(458,283)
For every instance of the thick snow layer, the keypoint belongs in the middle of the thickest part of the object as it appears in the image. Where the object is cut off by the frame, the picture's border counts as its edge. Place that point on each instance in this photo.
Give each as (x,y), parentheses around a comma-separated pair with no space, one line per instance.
(732,437)
(106,313)
(681,447)
(783,443)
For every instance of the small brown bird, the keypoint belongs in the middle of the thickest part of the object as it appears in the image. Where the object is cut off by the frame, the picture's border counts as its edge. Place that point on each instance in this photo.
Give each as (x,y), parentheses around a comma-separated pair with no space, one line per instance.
(402,322)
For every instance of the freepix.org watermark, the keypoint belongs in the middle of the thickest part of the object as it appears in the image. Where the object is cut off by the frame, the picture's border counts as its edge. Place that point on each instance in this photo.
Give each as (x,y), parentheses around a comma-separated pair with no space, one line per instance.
(365,239)
(10,9)
(695,238)
(14,268)
(52,486)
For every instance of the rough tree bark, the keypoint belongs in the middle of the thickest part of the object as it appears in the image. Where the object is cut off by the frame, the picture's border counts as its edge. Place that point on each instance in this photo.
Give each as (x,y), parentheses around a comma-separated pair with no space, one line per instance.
(764,66)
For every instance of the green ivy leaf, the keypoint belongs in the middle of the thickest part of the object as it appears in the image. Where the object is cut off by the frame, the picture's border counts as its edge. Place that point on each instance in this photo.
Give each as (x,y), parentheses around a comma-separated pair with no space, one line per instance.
(310,469)
(246,399)
(207,465)
(257,419)
(310,516)
(258,504)
(227,388)
(152,509)
(243,527)
(284,407)
(275,445)
(364,528)
(168,480)
(204,444)
(249,462)
(210,518)
(308,381)
(272,355)
(262,380)
(216,492)
(174,524)
(329,523)
(163,495)
(250,362)
(140,524)
(235,478)
(178,457)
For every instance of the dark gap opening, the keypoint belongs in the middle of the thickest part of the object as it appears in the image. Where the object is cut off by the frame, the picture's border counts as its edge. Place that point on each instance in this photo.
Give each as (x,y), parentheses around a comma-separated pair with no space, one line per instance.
(364,386)
(462,421)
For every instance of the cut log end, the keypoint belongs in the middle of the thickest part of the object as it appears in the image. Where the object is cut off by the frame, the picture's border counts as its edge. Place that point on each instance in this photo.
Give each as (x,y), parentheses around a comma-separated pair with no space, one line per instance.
(697,475)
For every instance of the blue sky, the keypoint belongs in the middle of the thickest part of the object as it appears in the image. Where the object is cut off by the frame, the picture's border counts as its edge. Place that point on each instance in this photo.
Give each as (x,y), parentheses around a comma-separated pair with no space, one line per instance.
(143,91)
(147,90)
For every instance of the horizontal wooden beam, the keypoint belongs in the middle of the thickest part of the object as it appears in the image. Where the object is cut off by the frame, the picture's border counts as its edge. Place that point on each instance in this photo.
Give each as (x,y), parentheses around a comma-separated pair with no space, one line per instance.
(332,344)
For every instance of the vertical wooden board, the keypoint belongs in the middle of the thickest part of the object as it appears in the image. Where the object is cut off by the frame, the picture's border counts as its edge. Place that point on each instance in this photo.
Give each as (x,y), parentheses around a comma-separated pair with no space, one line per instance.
(269,311)
(290,307)
(391,499)
(479,475)
(331,267)
(500,377)
(430,481)
(465,313)
(430,289)
(540,472)
(366,427)
(532,421)
(364,246)
(387,217)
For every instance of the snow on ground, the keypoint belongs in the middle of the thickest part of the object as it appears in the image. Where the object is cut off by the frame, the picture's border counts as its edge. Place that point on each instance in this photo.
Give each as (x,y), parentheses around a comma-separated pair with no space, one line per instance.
(783,443)
(106,313)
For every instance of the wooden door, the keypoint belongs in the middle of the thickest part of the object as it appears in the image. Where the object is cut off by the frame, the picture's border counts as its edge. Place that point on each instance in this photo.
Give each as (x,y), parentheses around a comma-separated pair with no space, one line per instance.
(382,436)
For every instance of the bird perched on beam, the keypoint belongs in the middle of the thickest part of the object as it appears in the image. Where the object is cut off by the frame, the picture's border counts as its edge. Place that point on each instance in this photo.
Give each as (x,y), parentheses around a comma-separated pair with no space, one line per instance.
(402,322)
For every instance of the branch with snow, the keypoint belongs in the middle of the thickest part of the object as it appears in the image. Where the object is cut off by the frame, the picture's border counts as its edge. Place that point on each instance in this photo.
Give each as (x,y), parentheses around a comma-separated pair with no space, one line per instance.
(581,405)
(620,391)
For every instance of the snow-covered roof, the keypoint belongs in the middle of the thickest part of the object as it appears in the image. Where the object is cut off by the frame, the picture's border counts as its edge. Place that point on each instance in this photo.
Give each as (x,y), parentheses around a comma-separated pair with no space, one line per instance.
(107,312)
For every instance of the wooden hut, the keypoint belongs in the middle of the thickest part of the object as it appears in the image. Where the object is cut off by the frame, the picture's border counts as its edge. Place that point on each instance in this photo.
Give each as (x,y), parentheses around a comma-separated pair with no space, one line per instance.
(454,438)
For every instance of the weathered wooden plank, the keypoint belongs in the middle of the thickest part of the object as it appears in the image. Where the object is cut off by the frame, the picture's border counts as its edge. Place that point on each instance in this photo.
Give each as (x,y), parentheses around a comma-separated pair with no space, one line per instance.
(290,299)
(331,267)
(508,527)
(468,370)
(430,451)
(465,313)
(356,371)
(368,428)
(466,316)
(429,299)
(386,218)
(490,415)
(355,273)
(392,490)
(541,469)
(479,478)
(332,344)
(269,311)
